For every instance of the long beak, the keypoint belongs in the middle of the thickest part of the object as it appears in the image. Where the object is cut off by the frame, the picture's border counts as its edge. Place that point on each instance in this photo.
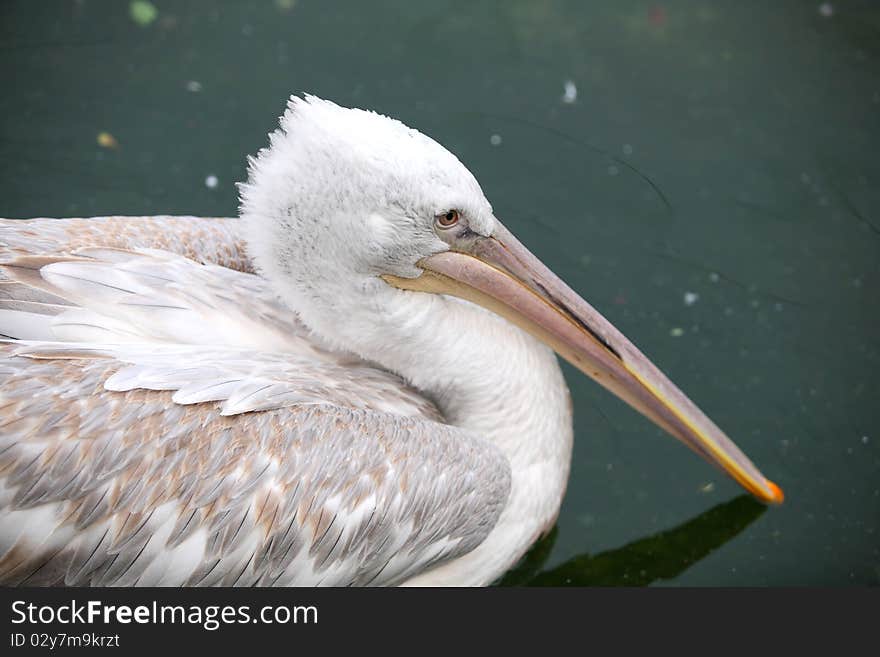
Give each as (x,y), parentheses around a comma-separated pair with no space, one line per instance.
(499,273)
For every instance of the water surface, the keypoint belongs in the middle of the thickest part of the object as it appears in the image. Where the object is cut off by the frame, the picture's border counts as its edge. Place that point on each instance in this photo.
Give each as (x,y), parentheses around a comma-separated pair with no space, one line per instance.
(705,174)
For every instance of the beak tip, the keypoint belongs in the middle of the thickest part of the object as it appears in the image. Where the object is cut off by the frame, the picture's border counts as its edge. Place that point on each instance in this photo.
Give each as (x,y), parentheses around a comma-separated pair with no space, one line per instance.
(777,496)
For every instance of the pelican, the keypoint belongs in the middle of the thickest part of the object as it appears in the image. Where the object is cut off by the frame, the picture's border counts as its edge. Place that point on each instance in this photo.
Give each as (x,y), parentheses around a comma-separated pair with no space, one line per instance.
(353,383)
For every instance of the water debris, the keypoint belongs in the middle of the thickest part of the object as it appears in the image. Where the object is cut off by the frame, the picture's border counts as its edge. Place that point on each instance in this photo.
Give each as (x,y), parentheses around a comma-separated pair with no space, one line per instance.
(142,12)
(826,10)
(193,86)
(285,5)
(587,146)
(495,140)
(627,149)
(714,277)
(571,92)
(613,170)
(106,140)
(690,298)
(657,16)
(865,440)
(676,332)
(211,181)
(707,487)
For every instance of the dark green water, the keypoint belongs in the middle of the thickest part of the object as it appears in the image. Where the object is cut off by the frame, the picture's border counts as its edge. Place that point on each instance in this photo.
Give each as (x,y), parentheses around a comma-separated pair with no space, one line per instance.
(725,150)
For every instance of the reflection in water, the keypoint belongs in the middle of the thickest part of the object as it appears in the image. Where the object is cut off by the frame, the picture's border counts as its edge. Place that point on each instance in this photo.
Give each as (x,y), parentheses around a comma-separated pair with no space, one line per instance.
(662,556)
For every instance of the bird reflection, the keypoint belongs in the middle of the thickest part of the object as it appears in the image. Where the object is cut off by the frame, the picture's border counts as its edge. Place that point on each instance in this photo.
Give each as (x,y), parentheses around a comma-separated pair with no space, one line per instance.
(662,556)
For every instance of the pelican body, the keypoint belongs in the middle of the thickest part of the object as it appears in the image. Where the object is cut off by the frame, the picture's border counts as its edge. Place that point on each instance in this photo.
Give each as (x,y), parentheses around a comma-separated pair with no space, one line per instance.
(353,383)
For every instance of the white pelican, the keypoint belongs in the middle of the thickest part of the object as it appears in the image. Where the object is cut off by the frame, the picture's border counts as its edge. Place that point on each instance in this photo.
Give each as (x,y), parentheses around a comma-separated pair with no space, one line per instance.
(312,394)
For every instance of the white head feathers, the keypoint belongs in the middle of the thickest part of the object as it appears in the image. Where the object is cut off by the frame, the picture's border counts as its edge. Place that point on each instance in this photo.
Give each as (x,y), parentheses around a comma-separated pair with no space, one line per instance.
(342,196)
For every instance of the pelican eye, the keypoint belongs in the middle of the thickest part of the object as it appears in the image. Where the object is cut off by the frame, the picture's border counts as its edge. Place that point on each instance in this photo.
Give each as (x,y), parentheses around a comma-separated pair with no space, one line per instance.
(447,219)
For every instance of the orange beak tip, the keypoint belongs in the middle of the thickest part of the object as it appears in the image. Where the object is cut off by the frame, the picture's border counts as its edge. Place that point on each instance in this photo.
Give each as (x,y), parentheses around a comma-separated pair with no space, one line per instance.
(778,496)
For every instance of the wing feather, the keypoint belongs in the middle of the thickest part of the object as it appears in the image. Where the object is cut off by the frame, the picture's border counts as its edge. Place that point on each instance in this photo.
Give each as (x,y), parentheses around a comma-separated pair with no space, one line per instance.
(204,240)
(301,495)
(165,420)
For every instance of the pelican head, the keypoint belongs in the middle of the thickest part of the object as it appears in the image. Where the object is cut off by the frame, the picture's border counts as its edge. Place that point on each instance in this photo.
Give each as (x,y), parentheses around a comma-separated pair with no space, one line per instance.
(349,205)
